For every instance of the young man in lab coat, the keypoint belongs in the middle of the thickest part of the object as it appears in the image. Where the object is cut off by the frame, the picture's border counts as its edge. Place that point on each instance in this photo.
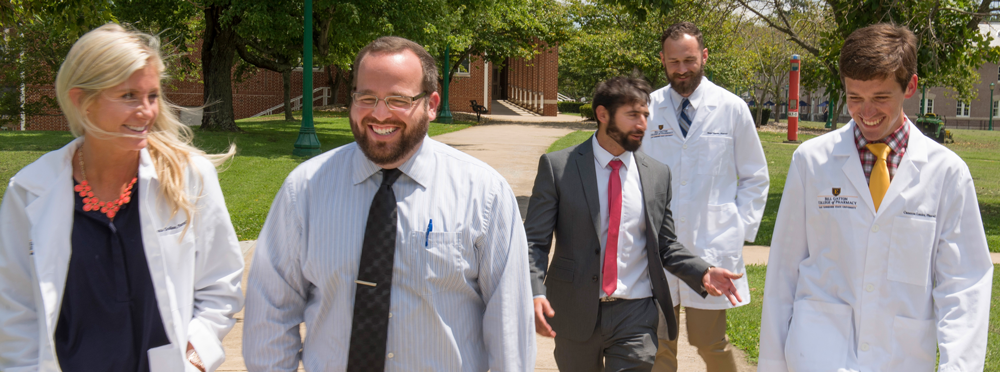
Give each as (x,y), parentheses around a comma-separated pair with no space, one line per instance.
(879,258)
(706,135)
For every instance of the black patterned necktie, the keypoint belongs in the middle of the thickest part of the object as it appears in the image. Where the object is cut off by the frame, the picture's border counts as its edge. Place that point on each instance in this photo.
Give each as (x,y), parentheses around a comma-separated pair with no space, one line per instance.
(370,325)
(685,119)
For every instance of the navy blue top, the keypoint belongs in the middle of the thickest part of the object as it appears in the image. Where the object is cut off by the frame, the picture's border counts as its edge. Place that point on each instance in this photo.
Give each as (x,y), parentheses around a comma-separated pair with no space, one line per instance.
(109,317)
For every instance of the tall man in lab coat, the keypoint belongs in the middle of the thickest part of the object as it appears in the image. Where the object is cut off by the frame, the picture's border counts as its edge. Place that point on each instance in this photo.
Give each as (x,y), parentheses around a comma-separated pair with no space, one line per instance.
(879,257)
(707,137)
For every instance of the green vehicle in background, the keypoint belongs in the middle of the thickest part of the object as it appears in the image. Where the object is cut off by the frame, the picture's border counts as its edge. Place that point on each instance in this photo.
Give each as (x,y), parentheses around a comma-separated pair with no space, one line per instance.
(933,127)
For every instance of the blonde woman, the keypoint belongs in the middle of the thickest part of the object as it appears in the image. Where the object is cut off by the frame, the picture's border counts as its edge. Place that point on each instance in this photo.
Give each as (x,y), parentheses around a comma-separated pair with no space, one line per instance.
(117,252)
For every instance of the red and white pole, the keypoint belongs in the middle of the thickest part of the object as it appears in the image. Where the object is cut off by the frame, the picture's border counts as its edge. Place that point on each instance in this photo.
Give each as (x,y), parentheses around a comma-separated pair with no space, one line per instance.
(793,100)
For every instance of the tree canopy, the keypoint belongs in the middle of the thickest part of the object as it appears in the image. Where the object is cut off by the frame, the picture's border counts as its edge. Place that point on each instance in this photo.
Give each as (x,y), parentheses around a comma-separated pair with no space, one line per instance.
(950,46)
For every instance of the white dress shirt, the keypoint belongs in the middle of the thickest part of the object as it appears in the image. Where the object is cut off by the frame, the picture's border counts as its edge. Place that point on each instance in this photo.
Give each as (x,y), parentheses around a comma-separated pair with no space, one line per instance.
(633,279)
(461,299)
(676,99)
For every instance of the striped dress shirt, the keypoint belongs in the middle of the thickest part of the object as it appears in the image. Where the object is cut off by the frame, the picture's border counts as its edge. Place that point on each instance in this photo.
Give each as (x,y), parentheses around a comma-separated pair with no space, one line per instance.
(461,300)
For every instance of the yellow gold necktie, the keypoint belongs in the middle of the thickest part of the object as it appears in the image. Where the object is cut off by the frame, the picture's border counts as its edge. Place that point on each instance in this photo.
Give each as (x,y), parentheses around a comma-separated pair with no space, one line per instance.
(878,183)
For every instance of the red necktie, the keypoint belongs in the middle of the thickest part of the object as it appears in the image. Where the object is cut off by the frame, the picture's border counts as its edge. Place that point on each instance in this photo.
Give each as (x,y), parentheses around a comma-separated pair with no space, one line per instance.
(610,282)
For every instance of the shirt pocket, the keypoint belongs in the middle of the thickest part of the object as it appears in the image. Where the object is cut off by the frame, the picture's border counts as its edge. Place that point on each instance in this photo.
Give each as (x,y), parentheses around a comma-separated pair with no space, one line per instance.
(910,250)
(439,259)
(716,150)
(819,336)
(914,345)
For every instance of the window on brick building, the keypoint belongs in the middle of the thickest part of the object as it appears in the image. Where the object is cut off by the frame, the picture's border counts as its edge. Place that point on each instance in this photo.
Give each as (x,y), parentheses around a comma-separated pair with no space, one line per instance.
(962,109)
(464,67)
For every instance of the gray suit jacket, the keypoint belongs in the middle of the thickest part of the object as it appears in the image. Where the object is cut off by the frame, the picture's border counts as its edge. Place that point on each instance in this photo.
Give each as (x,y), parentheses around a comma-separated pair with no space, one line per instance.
(564,200)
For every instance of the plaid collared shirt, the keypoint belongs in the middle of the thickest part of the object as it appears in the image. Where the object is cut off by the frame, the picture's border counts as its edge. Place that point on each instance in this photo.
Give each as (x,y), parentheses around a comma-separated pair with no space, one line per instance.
(897,141)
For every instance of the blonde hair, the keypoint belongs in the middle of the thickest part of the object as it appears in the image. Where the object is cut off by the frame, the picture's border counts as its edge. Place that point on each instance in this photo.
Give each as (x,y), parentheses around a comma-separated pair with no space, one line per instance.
(106,57)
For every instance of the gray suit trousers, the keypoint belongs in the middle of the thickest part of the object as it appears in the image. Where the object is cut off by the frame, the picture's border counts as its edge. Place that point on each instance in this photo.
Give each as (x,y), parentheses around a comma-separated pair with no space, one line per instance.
(624,339)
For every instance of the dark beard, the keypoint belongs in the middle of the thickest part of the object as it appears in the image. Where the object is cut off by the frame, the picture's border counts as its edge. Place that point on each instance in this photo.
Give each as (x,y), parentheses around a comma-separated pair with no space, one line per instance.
(687,87)
(381,152)
(621,137)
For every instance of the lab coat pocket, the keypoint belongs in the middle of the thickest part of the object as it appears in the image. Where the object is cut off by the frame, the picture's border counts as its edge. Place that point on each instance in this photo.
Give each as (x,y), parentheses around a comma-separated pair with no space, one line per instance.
(910,250)
(819,336)
(914,345)
(441,257)
(717,151)
(725,230)
(165,358)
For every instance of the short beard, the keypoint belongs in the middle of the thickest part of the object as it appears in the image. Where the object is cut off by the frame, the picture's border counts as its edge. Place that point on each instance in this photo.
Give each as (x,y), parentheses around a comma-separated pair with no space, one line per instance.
(621,137)
(685,88)
(382,153)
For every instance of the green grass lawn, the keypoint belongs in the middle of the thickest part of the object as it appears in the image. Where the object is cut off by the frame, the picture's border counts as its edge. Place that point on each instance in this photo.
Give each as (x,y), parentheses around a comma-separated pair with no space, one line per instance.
(993,341)
(979,149)
(249,181)
(571,139)
(744,322)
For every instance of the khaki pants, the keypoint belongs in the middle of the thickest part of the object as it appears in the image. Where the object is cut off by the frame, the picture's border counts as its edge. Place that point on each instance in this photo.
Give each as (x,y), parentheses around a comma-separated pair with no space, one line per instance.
(706,330)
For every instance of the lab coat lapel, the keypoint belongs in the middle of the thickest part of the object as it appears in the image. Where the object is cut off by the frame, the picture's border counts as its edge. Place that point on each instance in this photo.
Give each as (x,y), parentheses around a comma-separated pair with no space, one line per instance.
(669,113)
(588,179)
(847,152)
(150,218)
(913,159)
(51,238)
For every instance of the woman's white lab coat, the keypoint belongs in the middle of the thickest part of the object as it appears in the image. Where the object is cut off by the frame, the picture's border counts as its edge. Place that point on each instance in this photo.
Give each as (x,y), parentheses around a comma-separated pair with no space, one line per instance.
(849,289)
(196,278)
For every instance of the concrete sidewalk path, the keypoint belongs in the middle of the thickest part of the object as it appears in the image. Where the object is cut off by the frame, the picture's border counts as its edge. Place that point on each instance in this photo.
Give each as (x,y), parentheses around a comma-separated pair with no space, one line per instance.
(513,150)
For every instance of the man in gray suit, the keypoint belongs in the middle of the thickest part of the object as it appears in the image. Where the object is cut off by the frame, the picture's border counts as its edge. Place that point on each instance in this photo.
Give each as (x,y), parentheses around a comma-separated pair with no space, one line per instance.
(608,207)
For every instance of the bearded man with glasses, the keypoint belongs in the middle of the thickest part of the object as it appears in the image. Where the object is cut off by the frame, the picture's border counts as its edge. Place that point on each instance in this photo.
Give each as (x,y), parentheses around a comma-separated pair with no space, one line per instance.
(397,252)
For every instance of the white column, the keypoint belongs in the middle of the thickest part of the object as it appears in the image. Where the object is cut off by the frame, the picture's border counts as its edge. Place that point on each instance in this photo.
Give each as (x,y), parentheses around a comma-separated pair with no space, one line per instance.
(486,83)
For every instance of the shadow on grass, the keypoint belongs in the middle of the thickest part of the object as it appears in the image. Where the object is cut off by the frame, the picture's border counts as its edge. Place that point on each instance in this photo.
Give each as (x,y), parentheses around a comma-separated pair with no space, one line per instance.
(35,141)
(274,138)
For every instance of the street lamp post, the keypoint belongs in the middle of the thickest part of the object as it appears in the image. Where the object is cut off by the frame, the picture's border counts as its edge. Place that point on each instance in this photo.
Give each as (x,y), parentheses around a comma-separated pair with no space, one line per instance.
(444,114)
(307,144)
(992,105)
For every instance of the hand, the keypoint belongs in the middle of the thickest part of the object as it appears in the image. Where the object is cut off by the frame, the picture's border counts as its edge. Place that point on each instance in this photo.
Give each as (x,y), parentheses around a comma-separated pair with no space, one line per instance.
(718,282)
(543,310)
(194,359)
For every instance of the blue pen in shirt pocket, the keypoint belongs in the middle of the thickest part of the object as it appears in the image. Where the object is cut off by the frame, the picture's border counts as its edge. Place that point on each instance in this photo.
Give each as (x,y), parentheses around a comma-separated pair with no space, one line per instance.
(430,227)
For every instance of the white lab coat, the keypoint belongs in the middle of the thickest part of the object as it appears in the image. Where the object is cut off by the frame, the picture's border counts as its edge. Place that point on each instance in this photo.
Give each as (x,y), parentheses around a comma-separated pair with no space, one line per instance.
(719,179)
(197,278)
(849,289)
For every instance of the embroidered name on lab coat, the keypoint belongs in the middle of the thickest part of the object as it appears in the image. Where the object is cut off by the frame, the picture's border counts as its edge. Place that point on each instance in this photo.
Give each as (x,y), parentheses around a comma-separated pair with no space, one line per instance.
(662,133)
(837,202)
(172,228)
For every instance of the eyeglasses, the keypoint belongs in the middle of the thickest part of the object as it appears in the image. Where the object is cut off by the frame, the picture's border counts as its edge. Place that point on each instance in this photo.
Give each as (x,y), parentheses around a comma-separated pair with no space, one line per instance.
(400,103)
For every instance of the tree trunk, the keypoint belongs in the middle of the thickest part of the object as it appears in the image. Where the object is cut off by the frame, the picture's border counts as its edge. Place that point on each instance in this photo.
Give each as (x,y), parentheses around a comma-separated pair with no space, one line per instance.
(335,79)
(217,55)
(286,84)
(841,100)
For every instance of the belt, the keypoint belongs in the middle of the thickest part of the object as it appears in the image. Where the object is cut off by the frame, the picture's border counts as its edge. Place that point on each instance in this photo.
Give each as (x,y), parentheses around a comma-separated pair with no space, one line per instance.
(610,299)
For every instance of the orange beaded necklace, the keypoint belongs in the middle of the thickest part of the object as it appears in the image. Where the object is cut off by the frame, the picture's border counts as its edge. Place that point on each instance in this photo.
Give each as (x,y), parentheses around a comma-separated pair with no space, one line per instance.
(91,203)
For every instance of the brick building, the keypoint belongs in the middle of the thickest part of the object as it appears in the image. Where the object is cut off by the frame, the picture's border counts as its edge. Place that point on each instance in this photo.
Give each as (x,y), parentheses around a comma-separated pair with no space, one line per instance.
(261,91)
(531,84)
